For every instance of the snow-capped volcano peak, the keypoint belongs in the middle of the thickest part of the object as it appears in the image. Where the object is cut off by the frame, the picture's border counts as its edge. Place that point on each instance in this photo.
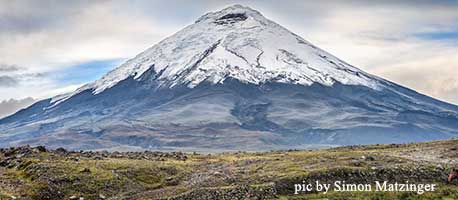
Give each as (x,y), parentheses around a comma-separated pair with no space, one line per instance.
(240,43)
(232,12)
(259,94)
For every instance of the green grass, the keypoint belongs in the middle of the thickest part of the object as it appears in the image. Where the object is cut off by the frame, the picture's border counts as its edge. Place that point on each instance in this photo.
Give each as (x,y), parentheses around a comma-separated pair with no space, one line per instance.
(52,176)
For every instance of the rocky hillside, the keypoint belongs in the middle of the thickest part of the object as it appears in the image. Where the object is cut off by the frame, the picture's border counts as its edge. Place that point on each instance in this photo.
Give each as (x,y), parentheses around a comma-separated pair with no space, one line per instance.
(40,173)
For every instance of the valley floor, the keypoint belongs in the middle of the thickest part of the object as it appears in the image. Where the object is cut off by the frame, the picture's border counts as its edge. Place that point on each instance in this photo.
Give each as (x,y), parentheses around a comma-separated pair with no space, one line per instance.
(38,173)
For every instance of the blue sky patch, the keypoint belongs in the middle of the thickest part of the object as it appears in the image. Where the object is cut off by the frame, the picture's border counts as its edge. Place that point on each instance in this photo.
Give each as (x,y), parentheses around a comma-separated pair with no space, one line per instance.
(452,35)
(84,72)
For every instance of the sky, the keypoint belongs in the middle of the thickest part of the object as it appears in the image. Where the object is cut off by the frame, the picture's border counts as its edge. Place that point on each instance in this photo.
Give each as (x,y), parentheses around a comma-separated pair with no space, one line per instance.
(52,47)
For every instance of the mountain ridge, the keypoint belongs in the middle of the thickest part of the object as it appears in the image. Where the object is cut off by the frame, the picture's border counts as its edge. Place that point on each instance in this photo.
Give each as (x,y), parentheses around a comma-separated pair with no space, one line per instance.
(233,80)
(211,50)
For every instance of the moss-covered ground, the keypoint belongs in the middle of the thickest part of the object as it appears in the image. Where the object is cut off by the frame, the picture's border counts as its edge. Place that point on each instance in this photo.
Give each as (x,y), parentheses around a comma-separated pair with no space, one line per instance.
(36,173)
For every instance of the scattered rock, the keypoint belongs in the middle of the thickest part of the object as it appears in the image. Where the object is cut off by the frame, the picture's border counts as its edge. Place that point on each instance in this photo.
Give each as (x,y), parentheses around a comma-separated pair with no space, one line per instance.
(370,158)
(86,170)
(76,159)
(20,155)
(61,150)
(356,163)
(385,167)
(5,162)
(41,148)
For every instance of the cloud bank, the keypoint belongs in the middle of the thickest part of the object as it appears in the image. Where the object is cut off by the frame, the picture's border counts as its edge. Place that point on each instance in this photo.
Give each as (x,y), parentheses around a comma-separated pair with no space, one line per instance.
(8,107)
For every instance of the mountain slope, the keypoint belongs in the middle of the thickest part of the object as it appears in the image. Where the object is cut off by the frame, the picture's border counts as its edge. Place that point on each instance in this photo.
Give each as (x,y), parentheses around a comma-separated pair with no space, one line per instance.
(239,43)
(232,80)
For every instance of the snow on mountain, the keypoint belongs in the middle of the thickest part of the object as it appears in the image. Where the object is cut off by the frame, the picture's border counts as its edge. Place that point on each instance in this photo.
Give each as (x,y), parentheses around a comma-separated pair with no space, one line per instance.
(233,80)
(236,42)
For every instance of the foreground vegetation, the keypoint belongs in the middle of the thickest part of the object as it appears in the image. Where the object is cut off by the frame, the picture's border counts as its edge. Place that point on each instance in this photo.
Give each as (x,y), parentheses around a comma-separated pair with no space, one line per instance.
(38,173)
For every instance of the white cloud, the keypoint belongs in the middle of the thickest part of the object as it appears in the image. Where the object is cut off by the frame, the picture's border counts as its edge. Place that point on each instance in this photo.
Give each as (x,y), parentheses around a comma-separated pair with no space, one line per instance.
(382,40)
(93,31)
(378,37)
(8,107)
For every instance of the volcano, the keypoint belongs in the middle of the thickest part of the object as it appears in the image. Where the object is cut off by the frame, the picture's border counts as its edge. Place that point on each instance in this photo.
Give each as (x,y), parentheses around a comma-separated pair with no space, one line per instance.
(233,80)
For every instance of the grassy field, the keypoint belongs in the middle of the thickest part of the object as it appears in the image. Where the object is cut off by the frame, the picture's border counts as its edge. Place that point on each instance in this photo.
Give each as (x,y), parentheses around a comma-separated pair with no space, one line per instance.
(37,173)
